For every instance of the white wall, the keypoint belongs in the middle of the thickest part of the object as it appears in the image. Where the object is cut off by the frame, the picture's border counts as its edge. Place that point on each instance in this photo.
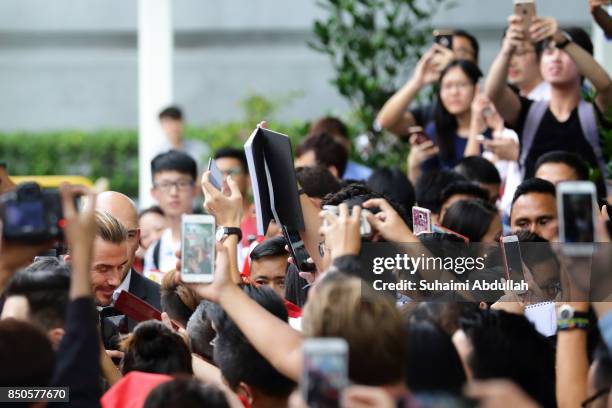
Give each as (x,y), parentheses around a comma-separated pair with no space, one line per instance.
(72,63)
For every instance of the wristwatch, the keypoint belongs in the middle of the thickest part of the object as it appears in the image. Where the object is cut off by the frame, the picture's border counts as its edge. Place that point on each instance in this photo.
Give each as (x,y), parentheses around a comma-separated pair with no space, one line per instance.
(569,318)
(568,39)
(224,232)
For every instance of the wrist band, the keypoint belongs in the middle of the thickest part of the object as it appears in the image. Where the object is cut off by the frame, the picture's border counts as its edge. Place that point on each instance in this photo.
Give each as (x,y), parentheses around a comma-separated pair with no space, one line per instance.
(573,323)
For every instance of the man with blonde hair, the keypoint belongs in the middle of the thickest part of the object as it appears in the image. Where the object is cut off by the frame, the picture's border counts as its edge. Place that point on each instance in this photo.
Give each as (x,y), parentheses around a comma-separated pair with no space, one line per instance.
(110,258)
(123,210)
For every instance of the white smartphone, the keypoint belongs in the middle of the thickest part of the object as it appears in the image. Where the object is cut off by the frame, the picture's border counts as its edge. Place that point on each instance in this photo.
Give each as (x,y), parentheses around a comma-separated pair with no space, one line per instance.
(197,248)
(325,371)
(576,209)
(513,261)
(421,220)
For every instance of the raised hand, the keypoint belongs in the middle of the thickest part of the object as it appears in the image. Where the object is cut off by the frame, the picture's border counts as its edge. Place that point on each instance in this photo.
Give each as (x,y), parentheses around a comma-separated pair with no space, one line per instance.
(227,209)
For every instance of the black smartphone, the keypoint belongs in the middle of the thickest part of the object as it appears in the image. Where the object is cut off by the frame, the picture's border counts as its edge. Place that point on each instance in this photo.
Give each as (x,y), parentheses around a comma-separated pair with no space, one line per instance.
(298,251)
(444,38)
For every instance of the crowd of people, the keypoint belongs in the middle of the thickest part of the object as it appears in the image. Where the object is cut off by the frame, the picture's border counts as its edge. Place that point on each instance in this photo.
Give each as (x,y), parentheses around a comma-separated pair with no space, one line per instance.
(485,160)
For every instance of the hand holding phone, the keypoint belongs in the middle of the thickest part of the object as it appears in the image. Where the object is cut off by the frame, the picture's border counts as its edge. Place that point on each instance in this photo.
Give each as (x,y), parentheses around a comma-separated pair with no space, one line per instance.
(198,248)
(526,9)
(325,372)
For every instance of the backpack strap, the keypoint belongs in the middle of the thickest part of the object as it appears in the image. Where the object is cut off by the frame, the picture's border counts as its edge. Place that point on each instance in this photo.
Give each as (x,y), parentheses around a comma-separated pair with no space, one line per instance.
(532,123)
(590,129)
(156,254)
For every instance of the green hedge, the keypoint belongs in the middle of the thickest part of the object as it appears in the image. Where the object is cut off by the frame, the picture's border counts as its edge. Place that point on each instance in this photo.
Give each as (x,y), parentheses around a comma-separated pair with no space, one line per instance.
(112,154)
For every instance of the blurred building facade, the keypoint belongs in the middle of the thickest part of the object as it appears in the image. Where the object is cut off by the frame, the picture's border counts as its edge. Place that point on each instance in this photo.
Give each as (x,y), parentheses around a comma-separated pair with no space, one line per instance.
(73,63)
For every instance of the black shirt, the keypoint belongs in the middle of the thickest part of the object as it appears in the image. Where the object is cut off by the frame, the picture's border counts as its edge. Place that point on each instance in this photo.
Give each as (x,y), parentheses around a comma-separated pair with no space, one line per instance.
(553,135)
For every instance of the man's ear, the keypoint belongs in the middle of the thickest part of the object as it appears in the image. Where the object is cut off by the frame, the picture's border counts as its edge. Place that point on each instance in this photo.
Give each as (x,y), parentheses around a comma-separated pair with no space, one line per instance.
(244,391)
(333,170)
(55,336)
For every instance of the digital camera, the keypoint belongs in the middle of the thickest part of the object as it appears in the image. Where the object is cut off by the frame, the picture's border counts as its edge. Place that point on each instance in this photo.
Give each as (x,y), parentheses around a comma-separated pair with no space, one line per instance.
(365,229)
(31,215)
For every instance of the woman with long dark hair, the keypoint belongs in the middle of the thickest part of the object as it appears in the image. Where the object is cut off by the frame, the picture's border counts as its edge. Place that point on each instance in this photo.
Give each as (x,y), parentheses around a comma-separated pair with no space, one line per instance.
(450,128)
(442,139)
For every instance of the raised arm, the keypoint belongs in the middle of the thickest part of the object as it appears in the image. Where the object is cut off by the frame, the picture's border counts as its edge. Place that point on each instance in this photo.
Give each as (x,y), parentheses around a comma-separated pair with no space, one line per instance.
(588,67)
(394,115)
(506,101)
(572,365)
(601,16)
(227,210)
(274,339)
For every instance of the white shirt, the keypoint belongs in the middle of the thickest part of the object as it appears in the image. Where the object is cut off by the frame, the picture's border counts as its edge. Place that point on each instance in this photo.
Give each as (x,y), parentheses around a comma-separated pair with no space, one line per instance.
(167,258)
(540,92)
(125,285)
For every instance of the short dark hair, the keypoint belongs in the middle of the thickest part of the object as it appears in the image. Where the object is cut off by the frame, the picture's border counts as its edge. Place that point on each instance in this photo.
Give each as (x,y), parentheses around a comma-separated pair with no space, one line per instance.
(45,284)
(570,159)
(431,352)
(186,393)
(429,188)
(478,169)
(171,112)
(317,181)
(394,184)
(26,353)
(330,125)
(506,345)
(200,330)
(359,193)
(237,358)
(174,160)
(534,185)
(473,41)
(467,188)
(154,209)
(327,151)
(154,348)
(470,218)
(233,153)
(274,246)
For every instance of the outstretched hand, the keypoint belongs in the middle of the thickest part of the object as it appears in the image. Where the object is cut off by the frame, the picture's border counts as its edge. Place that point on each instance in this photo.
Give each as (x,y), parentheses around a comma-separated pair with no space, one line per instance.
(227,209)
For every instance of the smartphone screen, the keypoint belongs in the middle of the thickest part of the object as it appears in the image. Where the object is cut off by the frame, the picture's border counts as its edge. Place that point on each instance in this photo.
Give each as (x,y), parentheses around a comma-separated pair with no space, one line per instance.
(421,220)
(513,261)
(216,177)
(325,372)
(578,217)
(198,248)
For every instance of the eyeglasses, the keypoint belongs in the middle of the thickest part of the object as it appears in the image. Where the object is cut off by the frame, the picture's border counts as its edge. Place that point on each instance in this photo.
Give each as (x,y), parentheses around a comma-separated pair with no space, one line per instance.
(595,397)
(232,171)
(181,185)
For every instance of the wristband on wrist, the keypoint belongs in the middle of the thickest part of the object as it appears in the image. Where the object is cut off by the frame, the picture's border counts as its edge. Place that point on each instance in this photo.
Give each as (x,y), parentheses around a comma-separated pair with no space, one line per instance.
(562,44)
(573,323)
